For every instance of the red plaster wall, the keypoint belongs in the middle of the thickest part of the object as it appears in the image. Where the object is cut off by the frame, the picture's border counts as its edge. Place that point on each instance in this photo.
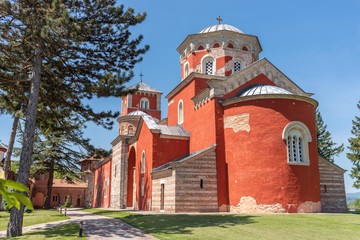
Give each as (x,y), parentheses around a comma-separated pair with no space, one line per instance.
(139,95)
(166,150)
(144,143)
(257,160)
(193,59)
(101,174)
(186,93)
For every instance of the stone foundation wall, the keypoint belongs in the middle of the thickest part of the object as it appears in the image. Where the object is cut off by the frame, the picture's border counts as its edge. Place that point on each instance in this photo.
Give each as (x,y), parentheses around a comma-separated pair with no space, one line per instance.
(332,189)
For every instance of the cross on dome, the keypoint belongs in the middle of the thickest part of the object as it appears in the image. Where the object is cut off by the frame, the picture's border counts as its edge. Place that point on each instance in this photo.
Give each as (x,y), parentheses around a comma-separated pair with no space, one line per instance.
(219,19)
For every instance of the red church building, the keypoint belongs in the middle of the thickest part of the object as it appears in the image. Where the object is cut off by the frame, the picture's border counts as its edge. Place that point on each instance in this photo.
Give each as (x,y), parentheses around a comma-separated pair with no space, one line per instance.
(240,136)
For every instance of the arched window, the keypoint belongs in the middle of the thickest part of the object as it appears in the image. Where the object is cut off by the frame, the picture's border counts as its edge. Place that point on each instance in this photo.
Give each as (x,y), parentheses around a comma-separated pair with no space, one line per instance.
(180,112)
(245,48)
(186,70)
(200,47)
(144,103)
(208,65)
(230,45)
(237,66)
(216,45)
(297,136)
(143,163)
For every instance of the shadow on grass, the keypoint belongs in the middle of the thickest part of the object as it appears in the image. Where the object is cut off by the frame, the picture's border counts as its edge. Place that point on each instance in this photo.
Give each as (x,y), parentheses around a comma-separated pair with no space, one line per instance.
(67,231)
(184,223)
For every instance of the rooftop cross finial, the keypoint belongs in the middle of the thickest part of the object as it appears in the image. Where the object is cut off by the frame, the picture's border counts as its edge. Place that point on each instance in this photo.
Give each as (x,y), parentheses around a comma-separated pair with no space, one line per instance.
(141,75)
(219,19)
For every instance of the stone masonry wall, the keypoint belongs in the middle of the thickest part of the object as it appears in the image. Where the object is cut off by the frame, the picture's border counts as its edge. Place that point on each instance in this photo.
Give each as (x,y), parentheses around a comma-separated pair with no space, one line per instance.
(168,179)
(119,176)
(196,184)
(332,190)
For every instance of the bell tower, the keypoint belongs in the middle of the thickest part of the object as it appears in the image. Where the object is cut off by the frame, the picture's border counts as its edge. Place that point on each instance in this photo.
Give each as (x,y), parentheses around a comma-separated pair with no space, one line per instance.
(219,50)
(145,99)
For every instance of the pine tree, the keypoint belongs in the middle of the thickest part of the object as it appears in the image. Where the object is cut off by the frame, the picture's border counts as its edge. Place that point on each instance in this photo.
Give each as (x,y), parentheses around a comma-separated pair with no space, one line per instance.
(65,51)
(326,147)
(354,148)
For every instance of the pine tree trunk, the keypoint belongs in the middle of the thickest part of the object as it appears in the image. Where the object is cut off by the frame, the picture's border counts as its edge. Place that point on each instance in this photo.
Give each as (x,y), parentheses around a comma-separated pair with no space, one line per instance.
(49,185)
(11,146)
(16,216)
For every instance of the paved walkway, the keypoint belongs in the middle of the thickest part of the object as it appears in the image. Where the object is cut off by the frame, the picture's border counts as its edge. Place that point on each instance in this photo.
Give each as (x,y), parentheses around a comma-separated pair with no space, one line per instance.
(95,227)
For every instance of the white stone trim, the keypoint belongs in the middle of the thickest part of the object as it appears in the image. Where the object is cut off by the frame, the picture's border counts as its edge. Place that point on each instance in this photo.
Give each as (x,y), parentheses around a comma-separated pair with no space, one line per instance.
(203,68)
(143,162)
(306,138)
(180,112)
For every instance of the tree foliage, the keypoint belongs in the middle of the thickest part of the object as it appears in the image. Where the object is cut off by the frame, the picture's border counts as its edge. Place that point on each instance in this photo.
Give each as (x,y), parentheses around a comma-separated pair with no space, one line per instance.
(354,147)
(326,147)
(61,53)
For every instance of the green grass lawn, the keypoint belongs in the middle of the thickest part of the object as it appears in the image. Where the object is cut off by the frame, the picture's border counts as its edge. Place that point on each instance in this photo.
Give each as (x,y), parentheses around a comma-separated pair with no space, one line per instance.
(35,217)
(236,226)
(67,231)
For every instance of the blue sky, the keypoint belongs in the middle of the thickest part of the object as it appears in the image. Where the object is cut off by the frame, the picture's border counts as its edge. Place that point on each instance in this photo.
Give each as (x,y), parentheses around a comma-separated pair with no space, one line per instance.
(315,43)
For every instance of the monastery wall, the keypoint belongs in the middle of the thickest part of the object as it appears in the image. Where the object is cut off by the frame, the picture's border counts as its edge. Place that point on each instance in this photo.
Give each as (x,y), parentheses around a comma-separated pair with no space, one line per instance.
(102,184)
(165,180)
(196,185)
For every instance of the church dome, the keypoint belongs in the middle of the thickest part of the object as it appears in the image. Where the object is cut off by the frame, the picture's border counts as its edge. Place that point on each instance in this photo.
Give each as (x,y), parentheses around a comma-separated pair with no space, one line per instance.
(220,27)
(263,89)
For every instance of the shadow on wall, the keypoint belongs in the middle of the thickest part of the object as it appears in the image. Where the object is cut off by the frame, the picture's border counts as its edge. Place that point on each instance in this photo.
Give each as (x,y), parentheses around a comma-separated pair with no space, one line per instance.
(99,188)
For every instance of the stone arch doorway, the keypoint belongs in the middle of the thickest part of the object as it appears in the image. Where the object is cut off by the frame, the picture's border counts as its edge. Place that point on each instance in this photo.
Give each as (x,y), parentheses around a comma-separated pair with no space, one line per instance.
(131,178)
(39,200)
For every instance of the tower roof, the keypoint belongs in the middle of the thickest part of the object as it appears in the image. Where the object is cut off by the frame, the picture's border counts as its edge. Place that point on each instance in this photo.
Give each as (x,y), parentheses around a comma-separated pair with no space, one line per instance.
(144,87)
(220,27)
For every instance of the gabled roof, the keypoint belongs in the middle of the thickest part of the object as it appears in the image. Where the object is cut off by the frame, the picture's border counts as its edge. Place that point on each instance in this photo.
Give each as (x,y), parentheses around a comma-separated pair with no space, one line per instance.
(61,183)
(193,155)
(141,86)
(333,165)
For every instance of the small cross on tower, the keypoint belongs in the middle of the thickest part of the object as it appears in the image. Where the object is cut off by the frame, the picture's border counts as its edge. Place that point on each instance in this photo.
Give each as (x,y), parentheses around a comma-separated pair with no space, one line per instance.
(219,20)
(141,75)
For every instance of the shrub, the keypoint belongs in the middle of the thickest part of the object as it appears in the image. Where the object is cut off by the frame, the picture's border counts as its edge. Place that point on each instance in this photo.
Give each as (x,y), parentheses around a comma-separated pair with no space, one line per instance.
(67,203)
(357,203)
(27,210)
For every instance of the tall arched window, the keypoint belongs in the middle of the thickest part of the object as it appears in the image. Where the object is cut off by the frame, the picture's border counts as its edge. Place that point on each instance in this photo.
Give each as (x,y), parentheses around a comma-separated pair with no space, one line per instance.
(144,103)
(297,137)
(143,163)
(208,65)
(180,112)
(237,66)
(186,70)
